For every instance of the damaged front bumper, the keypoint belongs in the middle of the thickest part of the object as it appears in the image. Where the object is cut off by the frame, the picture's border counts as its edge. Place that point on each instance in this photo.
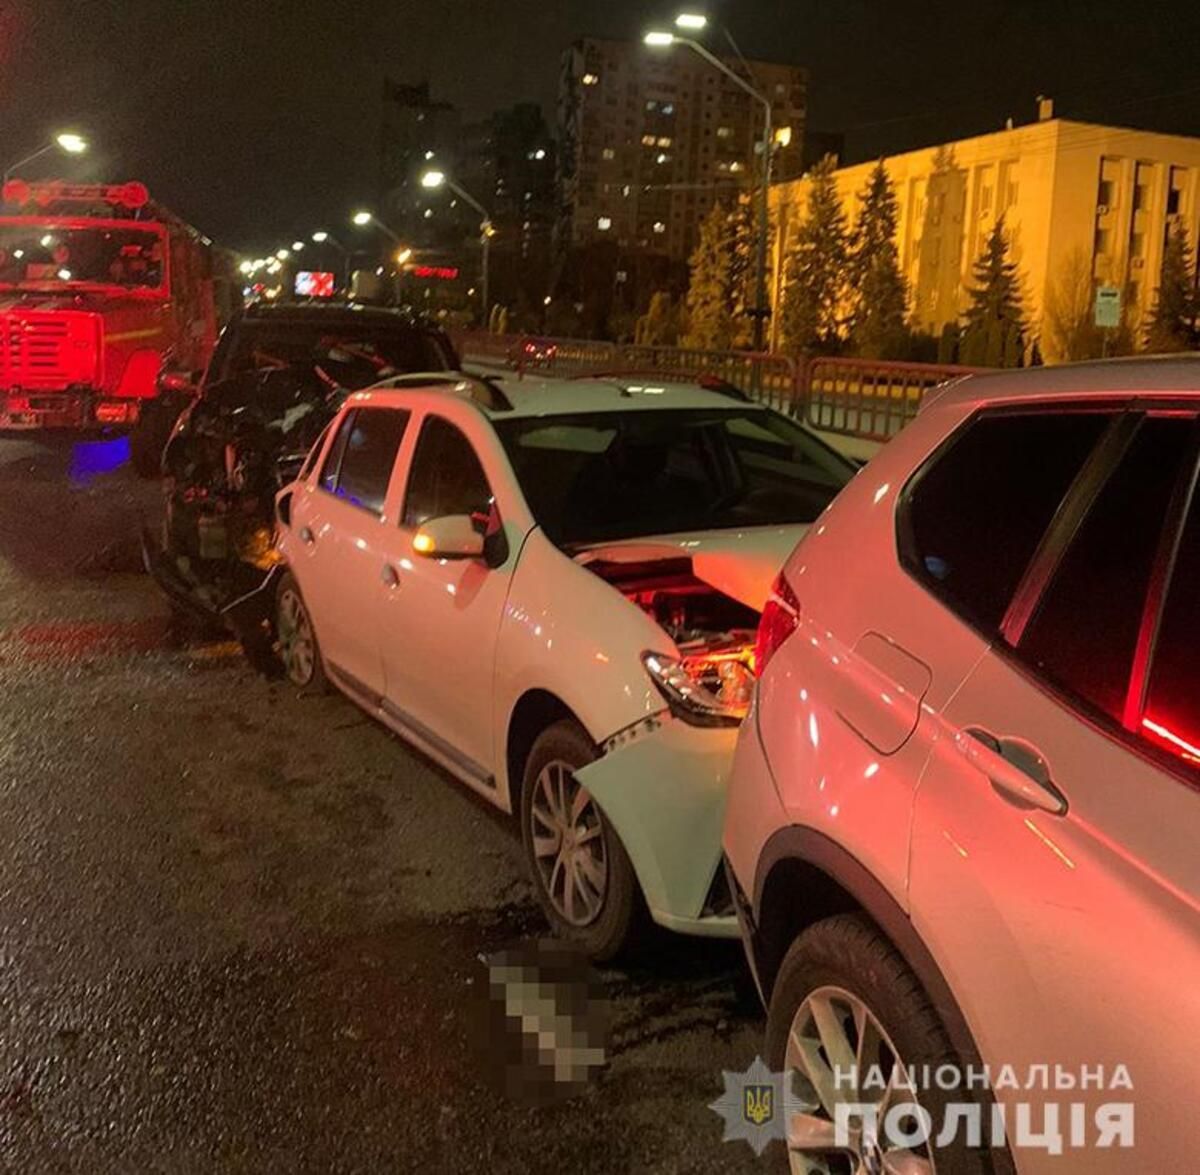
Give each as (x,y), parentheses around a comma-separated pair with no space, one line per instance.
(661,786)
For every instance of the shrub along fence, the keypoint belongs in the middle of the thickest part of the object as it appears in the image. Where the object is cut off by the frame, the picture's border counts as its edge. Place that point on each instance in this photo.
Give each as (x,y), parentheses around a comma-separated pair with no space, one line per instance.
(865,398)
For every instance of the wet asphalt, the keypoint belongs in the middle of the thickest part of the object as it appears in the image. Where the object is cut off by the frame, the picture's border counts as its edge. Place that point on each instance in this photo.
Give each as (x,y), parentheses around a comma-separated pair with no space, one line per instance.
(240,927)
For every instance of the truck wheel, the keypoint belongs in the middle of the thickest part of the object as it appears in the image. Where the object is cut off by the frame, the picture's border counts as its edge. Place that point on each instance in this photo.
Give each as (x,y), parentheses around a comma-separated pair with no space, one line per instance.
(580,870)
(297,639)
(149,438)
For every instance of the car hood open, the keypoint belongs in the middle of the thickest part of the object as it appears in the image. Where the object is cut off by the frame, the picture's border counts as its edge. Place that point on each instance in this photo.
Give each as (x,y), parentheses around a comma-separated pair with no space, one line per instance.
(742,563)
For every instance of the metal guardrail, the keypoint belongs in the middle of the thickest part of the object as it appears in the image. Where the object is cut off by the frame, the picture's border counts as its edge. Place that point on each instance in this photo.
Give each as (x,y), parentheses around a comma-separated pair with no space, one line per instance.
(864,398)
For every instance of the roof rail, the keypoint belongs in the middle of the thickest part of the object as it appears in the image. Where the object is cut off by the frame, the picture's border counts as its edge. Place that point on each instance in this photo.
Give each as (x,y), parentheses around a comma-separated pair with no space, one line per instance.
(484,390)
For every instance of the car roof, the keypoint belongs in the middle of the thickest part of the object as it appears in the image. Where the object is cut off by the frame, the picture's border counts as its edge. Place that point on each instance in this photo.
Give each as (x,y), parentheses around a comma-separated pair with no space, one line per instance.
(507,395)
(1143,375)
(339,312)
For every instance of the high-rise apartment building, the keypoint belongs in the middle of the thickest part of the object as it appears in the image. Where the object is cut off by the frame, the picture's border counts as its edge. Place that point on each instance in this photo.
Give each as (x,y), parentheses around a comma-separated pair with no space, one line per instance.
(649,139)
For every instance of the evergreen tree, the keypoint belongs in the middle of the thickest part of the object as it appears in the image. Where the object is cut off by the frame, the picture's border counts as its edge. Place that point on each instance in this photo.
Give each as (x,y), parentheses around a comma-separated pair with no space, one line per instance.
(994,323)
(879,290)
(811,318)
(659,326)
(743,268)
(710,294)
(1172,323)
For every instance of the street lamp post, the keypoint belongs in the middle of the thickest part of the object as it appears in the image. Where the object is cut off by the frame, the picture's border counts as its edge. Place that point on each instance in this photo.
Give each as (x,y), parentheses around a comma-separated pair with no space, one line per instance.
(363,217)
(664,40)
(68,141)
(321,237)
(434,179)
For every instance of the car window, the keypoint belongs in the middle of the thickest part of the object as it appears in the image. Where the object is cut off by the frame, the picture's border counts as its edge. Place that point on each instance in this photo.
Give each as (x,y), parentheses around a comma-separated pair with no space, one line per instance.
(446,476)
(974,516)
(1171,719)
(1084,631)
(363,454)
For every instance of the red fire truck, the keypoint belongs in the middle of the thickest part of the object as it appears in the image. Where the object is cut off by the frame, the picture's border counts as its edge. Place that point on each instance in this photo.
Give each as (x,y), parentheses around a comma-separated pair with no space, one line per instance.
(98,286)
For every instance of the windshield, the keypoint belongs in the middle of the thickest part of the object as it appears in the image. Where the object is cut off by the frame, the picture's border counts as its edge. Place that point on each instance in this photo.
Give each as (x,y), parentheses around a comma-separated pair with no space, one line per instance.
(48,255)
(614,475)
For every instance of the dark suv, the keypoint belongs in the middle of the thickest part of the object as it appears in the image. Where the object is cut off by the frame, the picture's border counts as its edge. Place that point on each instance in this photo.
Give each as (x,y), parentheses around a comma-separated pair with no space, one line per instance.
(277,376)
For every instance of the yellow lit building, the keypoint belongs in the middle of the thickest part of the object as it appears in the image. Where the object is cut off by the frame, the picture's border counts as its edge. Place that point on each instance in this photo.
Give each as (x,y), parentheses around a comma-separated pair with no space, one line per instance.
(1078,200)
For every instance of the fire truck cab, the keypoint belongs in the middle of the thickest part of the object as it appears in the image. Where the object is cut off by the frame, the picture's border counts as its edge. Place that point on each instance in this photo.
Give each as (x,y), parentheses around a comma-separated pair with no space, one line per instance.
(98,286)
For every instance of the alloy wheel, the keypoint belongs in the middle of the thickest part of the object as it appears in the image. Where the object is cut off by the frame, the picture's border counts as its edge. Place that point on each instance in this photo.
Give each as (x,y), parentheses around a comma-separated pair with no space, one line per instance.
(568,844)
(297,647)
(834,1037)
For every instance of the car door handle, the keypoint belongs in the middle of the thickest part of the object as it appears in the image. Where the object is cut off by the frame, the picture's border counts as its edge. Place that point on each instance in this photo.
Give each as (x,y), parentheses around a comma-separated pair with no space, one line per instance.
(307,537)
(389,576)
(1016,769)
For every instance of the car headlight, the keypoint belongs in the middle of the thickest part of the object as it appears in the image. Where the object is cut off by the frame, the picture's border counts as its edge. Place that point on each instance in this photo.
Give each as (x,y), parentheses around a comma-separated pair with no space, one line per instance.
(690,699)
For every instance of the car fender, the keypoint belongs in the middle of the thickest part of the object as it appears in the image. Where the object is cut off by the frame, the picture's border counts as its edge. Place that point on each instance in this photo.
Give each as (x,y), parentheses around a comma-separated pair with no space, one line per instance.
(568,633)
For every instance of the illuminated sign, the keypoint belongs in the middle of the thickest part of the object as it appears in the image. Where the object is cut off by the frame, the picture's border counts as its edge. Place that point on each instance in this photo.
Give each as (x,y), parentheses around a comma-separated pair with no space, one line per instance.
(310,284)
(447,273)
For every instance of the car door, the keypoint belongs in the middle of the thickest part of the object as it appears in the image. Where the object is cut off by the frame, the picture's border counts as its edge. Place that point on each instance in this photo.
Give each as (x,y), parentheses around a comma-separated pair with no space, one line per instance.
(440,618)
(342,530)
(1055,874)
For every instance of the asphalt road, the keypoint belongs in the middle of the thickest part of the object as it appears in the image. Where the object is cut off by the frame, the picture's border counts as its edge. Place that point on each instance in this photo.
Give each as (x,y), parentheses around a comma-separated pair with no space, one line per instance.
(240,928)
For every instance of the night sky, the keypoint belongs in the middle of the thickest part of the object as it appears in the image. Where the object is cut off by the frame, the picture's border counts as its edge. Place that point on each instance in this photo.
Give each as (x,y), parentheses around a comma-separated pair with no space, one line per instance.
(257,119)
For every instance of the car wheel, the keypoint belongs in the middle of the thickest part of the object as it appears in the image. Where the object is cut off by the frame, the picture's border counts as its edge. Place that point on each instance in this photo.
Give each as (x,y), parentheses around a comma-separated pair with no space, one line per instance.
(845,1000)
(297,638)
(580,870)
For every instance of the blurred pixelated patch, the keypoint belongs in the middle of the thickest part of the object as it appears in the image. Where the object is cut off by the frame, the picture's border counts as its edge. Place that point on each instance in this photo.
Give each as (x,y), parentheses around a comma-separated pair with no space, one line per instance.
(546,1022)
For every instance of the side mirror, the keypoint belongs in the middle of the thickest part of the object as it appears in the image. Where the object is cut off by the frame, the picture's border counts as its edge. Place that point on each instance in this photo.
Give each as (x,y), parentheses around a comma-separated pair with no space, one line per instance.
(453,536)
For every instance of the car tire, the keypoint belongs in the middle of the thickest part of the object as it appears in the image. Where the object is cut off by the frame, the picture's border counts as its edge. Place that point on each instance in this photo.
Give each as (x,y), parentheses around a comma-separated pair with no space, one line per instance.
(296,638)
(617,924)
(149,438)
(848,954)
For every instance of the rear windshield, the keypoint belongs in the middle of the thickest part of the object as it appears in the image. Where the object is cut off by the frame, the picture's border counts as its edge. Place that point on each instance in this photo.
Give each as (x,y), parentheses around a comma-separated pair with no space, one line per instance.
(610,475)
(351,355)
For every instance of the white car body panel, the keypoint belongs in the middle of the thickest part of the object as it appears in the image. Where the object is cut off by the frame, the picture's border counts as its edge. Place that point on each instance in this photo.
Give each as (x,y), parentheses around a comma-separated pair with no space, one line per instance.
(444,651)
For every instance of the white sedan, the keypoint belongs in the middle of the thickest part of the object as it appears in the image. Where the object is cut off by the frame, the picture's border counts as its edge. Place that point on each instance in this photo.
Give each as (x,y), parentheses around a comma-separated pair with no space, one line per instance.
(552,588)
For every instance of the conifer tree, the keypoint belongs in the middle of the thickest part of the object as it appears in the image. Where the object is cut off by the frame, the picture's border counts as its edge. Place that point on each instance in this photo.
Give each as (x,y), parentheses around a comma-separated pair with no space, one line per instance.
(1171,325)
(816,269)
(879,291)
(710,295)
(993,332)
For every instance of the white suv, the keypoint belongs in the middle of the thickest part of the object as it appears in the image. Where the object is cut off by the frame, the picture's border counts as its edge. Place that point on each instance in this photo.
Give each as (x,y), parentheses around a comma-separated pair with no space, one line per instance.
(553,589)
(963,824)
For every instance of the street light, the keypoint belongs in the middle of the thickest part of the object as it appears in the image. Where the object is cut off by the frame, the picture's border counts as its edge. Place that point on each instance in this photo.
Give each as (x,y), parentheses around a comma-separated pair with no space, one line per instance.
(68,141)
(362,218)
(321,237)
(658,39)
(692,21)
(297,246)
(282,254)
(434,179)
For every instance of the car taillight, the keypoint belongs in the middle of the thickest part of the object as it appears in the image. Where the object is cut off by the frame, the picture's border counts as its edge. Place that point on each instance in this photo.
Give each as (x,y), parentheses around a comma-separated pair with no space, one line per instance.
(778,622)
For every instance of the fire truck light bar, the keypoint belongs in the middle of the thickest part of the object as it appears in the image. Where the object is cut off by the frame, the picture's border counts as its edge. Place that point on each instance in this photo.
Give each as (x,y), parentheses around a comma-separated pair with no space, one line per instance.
(132,195)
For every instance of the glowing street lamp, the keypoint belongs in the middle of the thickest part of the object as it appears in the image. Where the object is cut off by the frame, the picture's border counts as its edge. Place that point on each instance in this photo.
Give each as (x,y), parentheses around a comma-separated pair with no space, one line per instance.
(361,219)
(297,246)
(364,217)
(66,141)
(434,179)
(660,39)
(282,254)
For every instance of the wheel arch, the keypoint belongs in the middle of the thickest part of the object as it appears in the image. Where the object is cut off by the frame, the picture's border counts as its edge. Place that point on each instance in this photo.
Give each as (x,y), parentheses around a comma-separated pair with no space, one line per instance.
(535,710)
(803,877)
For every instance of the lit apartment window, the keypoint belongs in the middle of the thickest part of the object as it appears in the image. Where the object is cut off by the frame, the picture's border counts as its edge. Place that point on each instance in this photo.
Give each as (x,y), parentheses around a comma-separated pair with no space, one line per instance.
(659,227)
(669,108)
(608,153)
(724,132)
(591,79)
(664,141)
(737,165)
(604,223)
(648,140)
(662,158)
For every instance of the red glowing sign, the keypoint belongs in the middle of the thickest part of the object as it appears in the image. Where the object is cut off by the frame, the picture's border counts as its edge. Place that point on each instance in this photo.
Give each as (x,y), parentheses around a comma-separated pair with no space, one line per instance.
(446,273)
(314,284)
(132,195)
